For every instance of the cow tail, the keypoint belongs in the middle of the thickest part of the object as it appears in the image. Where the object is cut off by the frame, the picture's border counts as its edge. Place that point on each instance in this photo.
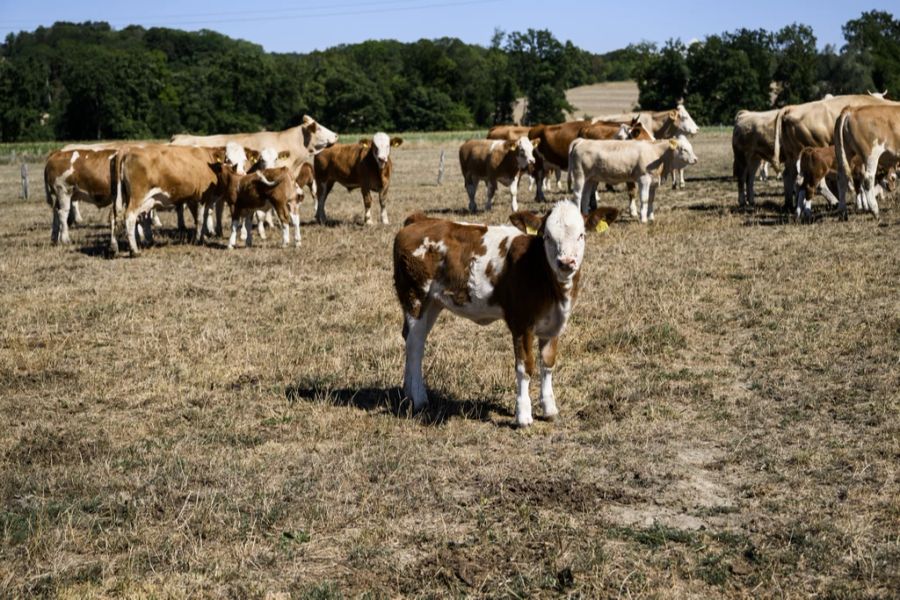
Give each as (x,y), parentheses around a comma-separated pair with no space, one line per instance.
(47,189)
(839,151)
(777,156)
(119,188)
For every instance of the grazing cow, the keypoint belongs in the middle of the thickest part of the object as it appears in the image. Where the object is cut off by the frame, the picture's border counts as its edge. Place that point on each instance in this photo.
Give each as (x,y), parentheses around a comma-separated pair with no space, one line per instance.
(73,175)
(872,135)
(494,161)
(365,165)
(295,145)
(261,190)
(163,176)
(810,124)
(488,273)
(753,144)
(615,161)
(664,124)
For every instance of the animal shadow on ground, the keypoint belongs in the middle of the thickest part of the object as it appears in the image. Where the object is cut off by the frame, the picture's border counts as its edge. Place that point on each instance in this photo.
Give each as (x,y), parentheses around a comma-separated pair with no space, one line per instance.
(440,409)
(461,211)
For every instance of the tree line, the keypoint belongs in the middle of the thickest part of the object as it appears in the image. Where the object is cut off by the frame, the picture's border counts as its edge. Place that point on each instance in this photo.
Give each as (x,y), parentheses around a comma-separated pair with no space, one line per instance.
(88,81)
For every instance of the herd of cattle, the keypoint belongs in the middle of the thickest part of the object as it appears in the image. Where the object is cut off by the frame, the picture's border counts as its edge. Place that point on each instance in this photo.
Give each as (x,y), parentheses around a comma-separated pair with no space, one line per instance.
(526,273)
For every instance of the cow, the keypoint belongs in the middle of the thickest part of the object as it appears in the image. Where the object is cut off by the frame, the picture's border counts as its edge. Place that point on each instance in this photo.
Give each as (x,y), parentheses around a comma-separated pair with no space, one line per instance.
(753,144)
(247,194)
(495,161)
(296,145)
(163,176)
(553,143)
(810,124)
(615,161)
(663,124)
(365,165)
(268,159)
(872,135)
(512,133)
(73,175)
(488,273)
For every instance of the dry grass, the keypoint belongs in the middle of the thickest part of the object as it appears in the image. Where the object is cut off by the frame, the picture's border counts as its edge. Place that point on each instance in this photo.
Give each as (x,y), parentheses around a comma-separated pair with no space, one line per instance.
(198,422)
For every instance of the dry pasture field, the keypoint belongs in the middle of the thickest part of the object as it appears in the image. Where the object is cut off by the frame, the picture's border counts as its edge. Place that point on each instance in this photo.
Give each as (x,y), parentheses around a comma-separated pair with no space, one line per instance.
(205,423)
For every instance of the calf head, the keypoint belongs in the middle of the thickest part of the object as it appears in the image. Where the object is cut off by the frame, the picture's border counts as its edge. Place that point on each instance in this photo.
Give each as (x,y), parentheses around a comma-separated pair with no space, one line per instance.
(380,147)
(682,152)
(637,131)
(563,231)
(236,155)
(316,136)
(524,151)
(268,159)
(889,181)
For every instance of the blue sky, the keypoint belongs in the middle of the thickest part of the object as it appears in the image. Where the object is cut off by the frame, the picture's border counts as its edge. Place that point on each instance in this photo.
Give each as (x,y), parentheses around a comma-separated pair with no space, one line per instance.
(597,26)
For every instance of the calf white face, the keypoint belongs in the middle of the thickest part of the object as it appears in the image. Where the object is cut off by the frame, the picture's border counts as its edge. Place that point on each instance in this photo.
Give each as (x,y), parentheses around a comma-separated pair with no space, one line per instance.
(684,153)
(524,152)
(688,125)
(268,157)
(235,156)
(624,132)
(564,240)
(381,148)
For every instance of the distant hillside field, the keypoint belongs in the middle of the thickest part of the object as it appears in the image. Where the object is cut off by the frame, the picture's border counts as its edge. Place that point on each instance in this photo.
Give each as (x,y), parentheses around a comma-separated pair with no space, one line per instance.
(597,99)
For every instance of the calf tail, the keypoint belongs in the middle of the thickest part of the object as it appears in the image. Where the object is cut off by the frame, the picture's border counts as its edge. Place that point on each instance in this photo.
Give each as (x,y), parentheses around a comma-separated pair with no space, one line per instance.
(48,190)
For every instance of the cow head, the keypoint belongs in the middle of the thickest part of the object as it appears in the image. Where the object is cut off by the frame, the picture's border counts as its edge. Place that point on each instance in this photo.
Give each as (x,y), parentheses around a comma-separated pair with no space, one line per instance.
(316,136)
(381,145)
(524,151)
(563,232)
(682,152)
(686,125)
(623,133)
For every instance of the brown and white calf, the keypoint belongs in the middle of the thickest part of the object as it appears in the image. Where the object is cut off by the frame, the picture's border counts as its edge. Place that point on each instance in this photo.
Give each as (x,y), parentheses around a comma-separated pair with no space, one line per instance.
(817,168)
(495,161)
(262,190)
(71,176)
(870,134)
(613,161)
(365,165)
(488,273)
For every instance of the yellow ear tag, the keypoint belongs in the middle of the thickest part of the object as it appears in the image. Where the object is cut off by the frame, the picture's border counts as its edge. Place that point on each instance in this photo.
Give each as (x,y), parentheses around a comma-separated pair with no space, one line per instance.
(530,230)
(601,227)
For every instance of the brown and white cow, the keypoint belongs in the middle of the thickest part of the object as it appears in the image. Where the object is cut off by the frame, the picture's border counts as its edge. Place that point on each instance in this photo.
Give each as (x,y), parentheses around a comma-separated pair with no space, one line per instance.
(753,146)
(488,273)
(512,133)
(872,135)
(495,161)
(552,145)
(76,175)
(264,189)
(164,176)
(810,124)
(365,165)
(614,161)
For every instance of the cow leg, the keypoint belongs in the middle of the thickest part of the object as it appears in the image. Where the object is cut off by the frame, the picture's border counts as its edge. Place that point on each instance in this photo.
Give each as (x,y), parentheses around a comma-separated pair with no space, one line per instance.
(235,226)
(295,221)
(751,181)
(471,190)
(804,204)
(63,206)
(530,183)
(548,361)
(323,190)
(220,211)
(382,202)
(593,194)
(644,185)
(764,172)
(179,215)
(514,192)
(681,179)
(248,225)
(147,225)
(491,191)
(675,178)
(113,242)
(789,179)
(416,333)
(580,187)
(523,345)
(154,217)
(869,174)
(367,206)
(260,223)
(823,189)
(651,201)
(76,213)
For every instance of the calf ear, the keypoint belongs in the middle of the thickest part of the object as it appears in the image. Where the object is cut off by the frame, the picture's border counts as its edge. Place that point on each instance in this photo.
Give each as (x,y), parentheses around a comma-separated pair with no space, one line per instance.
(396,141)
(510,146)
(527,221)
(673,114)
(600,218)
(252,155)
(365,143)
(673,143)
(284,154)
(535,142)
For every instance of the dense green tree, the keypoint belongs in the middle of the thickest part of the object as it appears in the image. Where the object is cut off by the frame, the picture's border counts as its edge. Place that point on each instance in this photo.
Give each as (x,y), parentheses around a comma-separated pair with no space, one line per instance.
(541,67)
(876,37)
(664,78)
(797,64)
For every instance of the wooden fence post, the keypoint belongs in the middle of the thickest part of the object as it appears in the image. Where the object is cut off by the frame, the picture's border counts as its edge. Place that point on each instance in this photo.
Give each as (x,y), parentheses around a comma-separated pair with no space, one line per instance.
(441,169)
(24,173)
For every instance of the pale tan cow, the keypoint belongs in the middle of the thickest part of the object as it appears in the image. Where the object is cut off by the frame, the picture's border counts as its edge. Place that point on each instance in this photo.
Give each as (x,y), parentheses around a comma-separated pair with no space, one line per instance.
(872,134)
(613,161)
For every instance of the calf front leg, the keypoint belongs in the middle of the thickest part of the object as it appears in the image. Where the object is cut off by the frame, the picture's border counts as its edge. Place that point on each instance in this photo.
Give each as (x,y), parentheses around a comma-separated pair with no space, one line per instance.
(523,344)
(367,205)
(382,201)
(76,213)
(514,192)
(548,361)
(416,332)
